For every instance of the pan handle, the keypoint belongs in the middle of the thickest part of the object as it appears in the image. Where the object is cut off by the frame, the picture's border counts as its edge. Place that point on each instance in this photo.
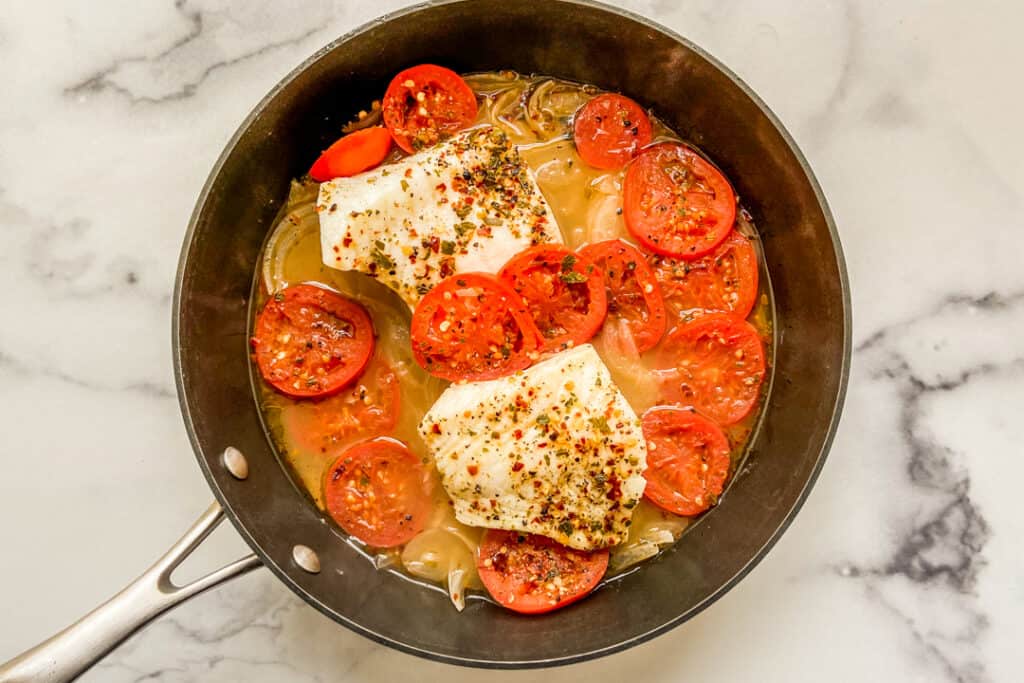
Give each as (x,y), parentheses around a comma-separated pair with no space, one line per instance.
(74,650)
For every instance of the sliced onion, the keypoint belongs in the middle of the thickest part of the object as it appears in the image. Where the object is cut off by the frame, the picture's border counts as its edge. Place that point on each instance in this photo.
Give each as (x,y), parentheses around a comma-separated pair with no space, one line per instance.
(624,557)
(457,587)
(552,104)
(493,82)
(443,557)
(297,227)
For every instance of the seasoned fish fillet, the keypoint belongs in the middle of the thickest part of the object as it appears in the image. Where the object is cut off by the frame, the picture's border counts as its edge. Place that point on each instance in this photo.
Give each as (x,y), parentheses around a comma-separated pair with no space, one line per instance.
(467,204)
(553,450)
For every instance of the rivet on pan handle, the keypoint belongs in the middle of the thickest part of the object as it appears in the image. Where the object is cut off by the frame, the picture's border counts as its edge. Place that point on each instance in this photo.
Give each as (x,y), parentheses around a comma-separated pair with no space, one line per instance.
(74,650)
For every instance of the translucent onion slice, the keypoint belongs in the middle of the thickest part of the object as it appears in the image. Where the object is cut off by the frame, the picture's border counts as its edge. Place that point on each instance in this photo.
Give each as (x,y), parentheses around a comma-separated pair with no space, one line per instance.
(551,105)
(626,556)
(652,529)
(443,557)
(297,227)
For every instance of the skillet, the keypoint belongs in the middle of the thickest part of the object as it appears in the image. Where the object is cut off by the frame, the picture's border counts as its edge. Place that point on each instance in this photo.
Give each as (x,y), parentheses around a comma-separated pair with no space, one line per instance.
(574,39)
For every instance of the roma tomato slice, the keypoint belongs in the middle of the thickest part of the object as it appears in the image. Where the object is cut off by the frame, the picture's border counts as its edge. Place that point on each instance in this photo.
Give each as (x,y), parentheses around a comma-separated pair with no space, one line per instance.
(352,154)
(724,280)
(426,104)
(533,574)
(563,291)
(609,130)
(687,460)
(714,363)
(676,203)
(379,492)
(633,293)
(368,407)
(311,342)
(472,327)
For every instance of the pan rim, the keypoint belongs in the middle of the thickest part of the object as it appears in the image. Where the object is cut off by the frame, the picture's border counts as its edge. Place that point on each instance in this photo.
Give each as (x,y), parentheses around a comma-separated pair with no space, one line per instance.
(755,559)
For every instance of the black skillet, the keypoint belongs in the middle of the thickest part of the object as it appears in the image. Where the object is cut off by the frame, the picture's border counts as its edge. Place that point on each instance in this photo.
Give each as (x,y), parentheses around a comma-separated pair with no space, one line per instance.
(578,40)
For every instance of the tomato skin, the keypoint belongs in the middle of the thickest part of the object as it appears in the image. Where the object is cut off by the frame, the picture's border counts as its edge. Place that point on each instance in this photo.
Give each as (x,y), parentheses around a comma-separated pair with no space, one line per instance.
(611,129)
(724,280)
(310,342)
(354,153)
(370,406)
(457,324)
(447,106)
(509,563)
(379,492)
(632,291)
(714,363)
(676,203)
(564,292)
(688,463)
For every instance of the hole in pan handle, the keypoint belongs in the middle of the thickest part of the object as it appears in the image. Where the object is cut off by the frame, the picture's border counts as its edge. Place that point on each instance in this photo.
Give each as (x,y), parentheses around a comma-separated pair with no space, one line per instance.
(74,650)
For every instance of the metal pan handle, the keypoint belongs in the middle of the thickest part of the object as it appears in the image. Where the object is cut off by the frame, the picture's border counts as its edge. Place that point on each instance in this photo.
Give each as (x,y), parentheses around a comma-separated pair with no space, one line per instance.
(74,650)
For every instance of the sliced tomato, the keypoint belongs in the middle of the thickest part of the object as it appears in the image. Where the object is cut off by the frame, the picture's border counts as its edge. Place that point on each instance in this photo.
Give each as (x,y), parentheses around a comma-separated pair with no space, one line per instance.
(632,290)
(533,574)
(610,129)
(563,291)
(687,460)
(426,104)
(312,342)
(379,492)
(472,327)
(676,203)
(368,407)
(352,154)
(714,363)
(724,280)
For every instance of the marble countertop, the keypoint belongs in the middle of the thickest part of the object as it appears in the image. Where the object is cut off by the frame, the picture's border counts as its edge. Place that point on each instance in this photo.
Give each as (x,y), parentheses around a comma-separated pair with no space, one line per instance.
(905,563)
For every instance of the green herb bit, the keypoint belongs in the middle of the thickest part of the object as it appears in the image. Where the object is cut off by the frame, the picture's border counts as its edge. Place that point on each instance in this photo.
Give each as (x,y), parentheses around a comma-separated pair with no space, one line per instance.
(573,278)
(382,259)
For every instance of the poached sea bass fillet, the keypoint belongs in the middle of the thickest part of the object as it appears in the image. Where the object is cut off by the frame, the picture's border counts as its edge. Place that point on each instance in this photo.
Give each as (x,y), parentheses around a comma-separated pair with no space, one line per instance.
(553,450)
(466,204)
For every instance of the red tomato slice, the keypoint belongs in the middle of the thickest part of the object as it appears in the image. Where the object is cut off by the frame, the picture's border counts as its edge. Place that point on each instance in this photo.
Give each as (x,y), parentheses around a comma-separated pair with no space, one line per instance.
(352,154)
(715,364)
(472,327)
(687,460)
(724,280)
(312,342)
(610,129)
(676,203)
(533,574)
(563,291)
(426,104)
(632,291)
(369,407)
(379,492)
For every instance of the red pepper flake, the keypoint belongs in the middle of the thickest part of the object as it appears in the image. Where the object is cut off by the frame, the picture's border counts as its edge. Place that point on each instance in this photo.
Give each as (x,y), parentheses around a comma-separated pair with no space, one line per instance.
(518,434)
(518,465)
(435,428)
(473,470)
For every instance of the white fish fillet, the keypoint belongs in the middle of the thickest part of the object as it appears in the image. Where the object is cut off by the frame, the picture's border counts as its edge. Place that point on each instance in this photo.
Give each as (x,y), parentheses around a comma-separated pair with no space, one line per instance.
(467,204)
(553,450)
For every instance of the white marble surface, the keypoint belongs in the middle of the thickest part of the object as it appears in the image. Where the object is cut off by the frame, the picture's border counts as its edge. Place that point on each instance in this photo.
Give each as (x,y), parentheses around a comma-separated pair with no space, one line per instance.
(906,562)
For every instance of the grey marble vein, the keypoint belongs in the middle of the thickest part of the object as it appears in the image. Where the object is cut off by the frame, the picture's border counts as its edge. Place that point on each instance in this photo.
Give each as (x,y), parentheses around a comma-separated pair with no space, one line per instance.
(109,78)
